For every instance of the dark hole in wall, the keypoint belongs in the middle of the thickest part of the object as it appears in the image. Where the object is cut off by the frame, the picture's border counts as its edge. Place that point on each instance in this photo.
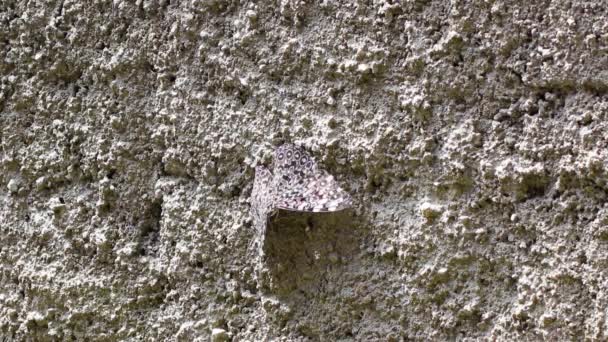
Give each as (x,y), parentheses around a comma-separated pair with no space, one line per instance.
(149,231)
(111,173)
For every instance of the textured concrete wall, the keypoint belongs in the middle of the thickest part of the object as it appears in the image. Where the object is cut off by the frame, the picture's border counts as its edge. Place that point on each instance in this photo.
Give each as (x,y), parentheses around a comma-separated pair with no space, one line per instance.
(472,135)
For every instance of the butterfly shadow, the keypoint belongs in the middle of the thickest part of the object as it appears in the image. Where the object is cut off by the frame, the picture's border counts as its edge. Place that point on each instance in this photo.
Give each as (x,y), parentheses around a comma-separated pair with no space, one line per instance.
(300,250)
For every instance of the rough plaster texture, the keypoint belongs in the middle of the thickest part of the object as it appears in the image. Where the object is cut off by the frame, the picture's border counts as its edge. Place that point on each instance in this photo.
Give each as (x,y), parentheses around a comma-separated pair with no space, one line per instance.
(472,134)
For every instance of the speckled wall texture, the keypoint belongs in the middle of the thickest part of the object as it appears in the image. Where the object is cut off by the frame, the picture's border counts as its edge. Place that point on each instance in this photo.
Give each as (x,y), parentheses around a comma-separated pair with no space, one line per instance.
(472,136)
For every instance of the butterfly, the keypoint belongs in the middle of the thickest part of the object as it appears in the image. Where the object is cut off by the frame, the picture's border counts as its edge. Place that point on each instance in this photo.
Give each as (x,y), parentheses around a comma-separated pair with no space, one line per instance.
(295,183)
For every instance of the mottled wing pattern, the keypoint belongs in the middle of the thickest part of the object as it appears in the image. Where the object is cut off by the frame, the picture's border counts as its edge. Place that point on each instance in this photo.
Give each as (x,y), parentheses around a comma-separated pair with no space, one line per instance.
(295,183)
(301,186)
(262,196)
(292,164)
(317,193)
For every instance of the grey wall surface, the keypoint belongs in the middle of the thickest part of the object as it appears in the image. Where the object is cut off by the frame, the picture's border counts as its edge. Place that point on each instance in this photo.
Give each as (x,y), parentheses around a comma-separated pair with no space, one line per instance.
(471,134)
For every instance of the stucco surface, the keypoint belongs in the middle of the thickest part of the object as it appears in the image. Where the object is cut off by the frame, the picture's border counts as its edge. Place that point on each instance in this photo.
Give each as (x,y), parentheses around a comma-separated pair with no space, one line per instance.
(472,136)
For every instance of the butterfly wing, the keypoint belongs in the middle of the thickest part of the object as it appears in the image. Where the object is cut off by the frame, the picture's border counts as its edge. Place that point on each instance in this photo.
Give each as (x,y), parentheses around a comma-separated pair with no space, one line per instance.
(296,184)
(292,163)
(318,193)
(301,186)
(262,197)
(325,194)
